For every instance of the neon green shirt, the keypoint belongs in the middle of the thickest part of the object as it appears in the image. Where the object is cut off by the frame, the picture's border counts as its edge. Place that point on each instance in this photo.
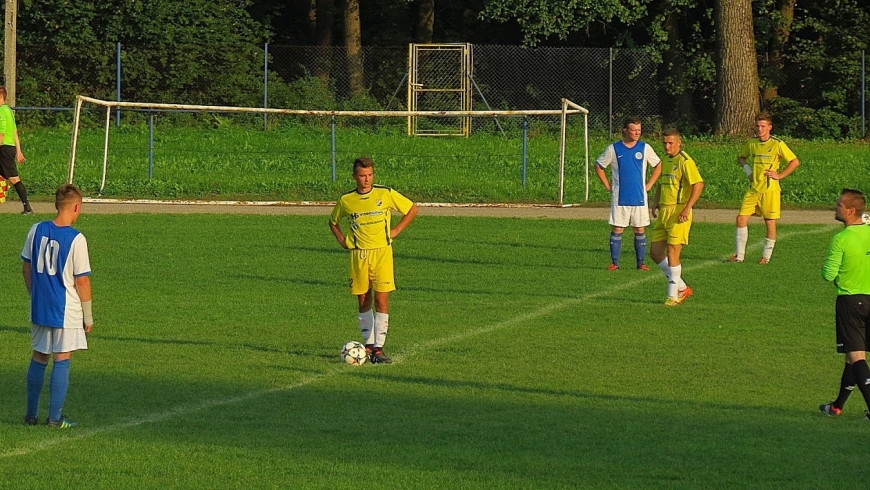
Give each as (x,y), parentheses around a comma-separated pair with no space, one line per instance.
(679,174)
(768,155)
(369,216)
(7,125)
(848,261)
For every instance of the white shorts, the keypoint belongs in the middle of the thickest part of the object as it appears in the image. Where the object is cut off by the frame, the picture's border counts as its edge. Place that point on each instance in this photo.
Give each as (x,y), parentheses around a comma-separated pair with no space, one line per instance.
(54,340)
(629,216)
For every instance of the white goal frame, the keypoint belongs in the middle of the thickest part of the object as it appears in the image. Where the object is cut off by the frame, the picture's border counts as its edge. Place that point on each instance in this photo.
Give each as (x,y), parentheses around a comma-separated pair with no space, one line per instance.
(568,108)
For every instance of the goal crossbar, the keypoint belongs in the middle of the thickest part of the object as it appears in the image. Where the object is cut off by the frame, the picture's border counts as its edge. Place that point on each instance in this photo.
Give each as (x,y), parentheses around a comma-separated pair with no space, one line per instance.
(576,109)
(568,108)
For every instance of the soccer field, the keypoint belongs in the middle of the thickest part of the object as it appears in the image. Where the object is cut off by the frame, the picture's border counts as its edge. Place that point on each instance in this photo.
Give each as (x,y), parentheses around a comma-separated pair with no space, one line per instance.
(521,362)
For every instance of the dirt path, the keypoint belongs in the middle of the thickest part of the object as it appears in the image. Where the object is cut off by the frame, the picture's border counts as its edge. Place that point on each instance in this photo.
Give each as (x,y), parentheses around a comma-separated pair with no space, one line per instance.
(509,211)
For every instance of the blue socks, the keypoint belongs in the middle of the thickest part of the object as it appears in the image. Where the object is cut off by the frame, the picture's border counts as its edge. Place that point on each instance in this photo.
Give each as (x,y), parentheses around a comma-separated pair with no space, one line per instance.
(35,379)
(615,247)
(57,387)
(640,248)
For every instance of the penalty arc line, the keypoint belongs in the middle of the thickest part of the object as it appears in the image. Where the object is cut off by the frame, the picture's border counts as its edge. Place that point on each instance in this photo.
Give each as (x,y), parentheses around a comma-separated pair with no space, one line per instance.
(75,434)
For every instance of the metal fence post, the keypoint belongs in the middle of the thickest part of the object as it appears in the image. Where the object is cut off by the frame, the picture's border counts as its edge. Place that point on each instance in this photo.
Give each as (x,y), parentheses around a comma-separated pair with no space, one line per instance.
(150,145)
(525,134)
(265,85)
(332,145)
(118,82)
(610,95)
(863,94)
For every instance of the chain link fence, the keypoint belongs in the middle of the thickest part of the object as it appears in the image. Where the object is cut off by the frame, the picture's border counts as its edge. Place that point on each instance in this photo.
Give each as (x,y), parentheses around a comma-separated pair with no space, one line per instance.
(611,83)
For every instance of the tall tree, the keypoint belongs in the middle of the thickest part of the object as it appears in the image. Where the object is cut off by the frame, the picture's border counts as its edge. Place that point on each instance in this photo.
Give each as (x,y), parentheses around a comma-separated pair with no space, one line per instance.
(737,75)
(777,18)
(677,83)
(425,21)
(323,38)
(353,45)
(312,21)
(325,21)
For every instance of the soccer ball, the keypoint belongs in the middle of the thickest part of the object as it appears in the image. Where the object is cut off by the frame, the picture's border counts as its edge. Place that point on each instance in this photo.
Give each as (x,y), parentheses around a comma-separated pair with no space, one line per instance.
(354,353)
(865,218)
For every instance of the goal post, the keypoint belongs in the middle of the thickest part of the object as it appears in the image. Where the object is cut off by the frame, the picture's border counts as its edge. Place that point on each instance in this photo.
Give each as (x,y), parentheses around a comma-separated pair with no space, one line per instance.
(568,109)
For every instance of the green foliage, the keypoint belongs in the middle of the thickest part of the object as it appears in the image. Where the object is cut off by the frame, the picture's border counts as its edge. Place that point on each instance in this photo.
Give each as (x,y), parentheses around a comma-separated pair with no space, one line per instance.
(197,51)
(824,55)
(152,22)
(309,92)
(540,19)
(210,52)
(800,121)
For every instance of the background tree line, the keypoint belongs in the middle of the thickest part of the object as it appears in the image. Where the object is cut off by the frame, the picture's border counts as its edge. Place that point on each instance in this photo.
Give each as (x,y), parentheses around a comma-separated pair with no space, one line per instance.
(801,61)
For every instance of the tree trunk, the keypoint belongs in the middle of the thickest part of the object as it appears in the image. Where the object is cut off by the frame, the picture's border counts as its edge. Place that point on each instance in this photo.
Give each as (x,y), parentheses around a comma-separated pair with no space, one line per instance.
(323,39)
(353,44)
(312,21)
(737,88)
(323,36)
(682,111)
(425,21)
(778,40)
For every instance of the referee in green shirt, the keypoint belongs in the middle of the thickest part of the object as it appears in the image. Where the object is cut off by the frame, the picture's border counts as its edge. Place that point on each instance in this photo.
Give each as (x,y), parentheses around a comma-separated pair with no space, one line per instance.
(10,151)
(848,266)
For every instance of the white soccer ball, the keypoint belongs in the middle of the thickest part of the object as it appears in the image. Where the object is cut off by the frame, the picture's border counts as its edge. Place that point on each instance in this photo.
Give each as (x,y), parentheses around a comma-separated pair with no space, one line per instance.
(354,353)
(865,218)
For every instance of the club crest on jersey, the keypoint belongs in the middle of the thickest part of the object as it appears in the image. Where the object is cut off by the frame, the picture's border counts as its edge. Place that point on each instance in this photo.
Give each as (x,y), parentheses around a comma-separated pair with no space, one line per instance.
(638,155)
(378,203)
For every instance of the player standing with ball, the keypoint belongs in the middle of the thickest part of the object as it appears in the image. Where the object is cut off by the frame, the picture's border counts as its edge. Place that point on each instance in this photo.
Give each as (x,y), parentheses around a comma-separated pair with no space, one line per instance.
(369,209)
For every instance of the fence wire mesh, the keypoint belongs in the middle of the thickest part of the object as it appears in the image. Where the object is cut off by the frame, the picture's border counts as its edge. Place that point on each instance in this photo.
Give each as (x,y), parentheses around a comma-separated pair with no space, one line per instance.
(611,83)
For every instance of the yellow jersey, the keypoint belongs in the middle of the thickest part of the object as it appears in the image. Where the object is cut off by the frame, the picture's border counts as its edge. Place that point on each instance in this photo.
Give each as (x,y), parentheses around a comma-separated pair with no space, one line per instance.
(679,174)
(369,215)
(763,156)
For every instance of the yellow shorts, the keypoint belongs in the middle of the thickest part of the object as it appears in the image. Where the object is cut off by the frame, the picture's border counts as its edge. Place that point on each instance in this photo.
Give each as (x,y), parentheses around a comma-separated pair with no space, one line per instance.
(371,269)
(764,204)
(666,227)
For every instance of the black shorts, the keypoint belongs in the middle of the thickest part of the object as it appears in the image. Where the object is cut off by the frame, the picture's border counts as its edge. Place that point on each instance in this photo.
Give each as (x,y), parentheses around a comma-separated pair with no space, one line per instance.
(8,167)
(853,323)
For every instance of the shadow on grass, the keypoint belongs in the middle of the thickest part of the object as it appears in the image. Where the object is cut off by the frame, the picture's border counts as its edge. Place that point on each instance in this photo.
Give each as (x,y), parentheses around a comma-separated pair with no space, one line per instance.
(423,432)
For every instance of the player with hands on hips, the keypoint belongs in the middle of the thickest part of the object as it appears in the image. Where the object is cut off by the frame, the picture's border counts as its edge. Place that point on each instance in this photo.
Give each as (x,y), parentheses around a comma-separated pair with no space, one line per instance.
(369,209)
(761,158)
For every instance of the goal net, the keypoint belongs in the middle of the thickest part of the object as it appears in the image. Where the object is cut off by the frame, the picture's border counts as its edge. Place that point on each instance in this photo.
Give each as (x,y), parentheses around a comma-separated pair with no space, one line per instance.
(304,155)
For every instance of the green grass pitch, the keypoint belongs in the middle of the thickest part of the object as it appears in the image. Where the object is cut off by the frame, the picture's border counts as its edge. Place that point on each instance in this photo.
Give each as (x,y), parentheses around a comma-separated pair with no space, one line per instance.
(520,362)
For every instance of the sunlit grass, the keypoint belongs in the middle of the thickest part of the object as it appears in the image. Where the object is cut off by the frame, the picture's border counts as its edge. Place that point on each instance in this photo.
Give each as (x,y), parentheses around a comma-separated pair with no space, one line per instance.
(521,362)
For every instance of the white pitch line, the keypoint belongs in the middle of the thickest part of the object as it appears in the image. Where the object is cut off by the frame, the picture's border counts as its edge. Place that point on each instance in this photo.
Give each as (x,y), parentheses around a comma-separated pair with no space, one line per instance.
(78,434)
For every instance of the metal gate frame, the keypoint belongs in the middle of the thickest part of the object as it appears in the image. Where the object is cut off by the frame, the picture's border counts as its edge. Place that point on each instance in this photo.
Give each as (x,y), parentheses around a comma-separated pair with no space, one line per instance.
(418,87)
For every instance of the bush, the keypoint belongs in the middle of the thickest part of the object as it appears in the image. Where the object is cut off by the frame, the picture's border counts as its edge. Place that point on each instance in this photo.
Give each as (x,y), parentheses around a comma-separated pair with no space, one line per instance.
(799,121)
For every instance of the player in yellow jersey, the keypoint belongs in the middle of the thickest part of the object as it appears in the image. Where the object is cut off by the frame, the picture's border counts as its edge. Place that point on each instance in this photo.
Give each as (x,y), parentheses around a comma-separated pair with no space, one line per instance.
(679,188)
(761,158)
(368,208)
